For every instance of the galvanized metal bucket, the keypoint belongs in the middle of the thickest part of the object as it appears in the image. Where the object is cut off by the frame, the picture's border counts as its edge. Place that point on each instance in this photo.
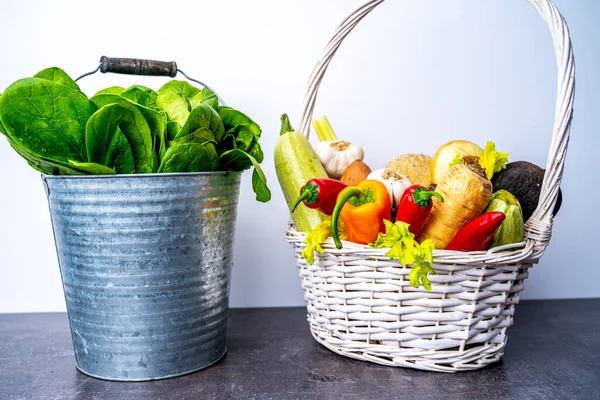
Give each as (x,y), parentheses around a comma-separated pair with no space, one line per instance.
(145,263)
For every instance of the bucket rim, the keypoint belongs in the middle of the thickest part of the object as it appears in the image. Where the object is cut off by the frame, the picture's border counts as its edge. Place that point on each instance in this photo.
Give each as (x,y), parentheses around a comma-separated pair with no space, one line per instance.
(138,176)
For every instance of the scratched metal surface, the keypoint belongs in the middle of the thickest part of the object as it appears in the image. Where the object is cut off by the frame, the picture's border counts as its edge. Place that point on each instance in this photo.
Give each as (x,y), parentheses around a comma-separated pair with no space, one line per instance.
(145,263)
(553,353)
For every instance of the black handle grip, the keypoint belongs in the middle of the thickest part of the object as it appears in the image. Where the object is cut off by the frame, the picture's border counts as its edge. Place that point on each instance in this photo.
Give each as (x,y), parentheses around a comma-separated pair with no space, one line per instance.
(134,66)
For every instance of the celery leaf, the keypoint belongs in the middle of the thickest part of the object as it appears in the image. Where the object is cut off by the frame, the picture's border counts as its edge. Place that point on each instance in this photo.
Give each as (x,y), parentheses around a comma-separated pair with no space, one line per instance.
(316,237)
(408,251)
(455,161)
(491,160)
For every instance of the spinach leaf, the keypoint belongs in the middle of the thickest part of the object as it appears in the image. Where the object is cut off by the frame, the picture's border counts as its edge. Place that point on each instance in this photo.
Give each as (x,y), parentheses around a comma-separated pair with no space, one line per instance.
(105,142)
(179,98)
(259,185)
(256,152)
(234,118)
(240,149)
(57,75)
(239,137)
(228,141)
(92,168)
(46,118)
(141,95)
(105,145)
(235,160)
(203,117)
(181,88)
(111,90)
(119,155)
(190,157)
(42,164)
(50,167)
(198,136)
(238,160)
(173,129)
(160,135)
(2,128)
(174,97)
(156,119)
(208,97)
(243,138)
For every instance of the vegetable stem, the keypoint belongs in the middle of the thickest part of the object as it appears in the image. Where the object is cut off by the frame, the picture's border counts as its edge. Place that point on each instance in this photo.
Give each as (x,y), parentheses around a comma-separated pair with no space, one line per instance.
(285,125)
(323,129)
(423,197)
(341,202)
(306,194)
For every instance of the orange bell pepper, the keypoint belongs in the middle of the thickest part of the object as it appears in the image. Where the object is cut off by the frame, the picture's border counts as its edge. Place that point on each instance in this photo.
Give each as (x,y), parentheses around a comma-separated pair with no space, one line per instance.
(362,209)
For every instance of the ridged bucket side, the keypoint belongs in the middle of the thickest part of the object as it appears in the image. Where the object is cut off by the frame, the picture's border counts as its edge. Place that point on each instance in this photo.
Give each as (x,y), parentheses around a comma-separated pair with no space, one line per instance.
(146,264)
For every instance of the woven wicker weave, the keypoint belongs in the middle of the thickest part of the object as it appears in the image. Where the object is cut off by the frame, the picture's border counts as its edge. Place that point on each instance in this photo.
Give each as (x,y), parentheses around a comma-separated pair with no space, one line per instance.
(361,304)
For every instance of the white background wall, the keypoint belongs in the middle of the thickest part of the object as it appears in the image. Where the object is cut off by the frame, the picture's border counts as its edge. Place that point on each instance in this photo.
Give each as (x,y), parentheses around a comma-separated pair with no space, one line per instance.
(412,76)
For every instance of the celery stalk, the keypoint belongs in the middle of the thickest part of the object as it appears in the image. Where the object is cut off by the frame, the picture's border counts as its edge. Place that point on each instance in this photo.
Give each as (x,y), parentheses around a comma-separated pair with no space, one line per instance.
(323,129)
(330,133)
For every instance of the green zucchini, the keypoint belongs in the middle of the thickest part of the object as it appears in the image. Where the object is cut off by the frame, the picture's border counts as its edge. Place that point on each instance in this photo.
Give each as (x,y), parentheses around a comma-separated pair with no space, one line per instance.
(511,230)
(295,163)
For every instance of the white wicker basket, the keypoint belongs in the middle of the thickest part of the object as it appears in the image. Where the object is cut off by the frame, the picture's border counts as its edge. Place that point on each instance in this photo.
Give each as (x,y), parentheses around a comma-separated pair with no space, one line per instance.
(361,304)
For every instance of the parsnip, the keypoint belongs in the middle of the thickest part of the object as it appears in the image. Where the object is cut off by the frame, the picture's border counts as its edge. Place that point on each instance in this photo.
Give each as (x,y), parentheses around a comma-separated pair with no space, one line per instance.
(466,192)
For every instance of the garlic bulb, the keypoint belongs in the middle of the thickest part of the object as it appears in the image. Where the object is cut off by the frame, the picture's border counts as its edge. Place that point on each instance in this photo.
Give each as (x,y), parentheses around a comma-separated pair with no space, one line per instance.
(396,183)
(336,155)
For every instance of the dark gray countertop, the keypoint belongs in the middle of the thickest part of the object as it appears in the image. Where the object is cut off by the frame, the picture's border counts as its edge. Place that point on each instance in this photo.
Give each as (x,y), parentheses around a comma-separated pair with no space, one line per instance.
(553,352)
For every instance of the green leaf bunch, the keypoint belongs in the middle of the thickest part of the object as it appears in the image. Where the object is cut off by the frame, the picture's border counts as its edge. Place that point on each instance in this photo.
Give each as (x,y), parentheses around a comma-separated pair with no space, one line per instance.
(404,248)
(58,130)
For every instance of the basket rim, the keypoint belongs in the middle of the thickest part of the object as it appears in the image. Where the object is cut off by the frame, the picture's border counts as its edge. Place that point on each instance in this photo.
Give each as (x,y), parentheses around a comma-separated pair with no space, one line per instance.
(138,176)
(515,253)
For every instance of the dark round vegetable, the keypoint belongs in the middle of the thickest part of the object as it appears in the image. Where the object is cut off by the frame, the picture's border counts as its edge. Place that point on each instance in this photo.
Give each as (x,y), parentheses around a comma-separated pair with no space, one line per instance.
(524,180)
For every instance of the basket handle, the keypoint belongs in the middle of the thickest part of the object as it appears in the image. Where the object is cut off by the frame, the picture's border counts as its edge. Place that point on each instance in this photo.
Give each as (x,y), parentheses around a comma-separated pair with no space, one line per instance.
(136,66)
(538,228)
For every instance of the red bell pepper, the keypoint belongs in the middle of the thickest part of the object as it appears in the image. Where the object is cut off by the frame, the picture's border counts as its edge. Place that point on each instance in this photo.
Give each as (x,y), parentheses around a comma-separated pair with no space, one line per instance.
(321,194)
(477,234)
(415,206)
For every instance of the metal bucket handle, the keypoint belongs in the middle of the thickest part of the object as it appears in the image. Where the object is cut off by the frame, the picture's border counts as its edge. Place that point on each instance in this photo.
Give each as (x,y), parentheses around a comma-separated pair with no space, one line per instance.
(138,66)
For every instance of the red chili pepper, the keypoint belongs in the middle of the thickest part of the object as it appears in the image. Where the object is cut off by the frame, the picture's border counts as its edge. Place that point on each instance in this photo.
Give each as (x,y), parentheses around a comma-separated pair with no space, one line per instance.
(477,234)
(320,193)
(415,206)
